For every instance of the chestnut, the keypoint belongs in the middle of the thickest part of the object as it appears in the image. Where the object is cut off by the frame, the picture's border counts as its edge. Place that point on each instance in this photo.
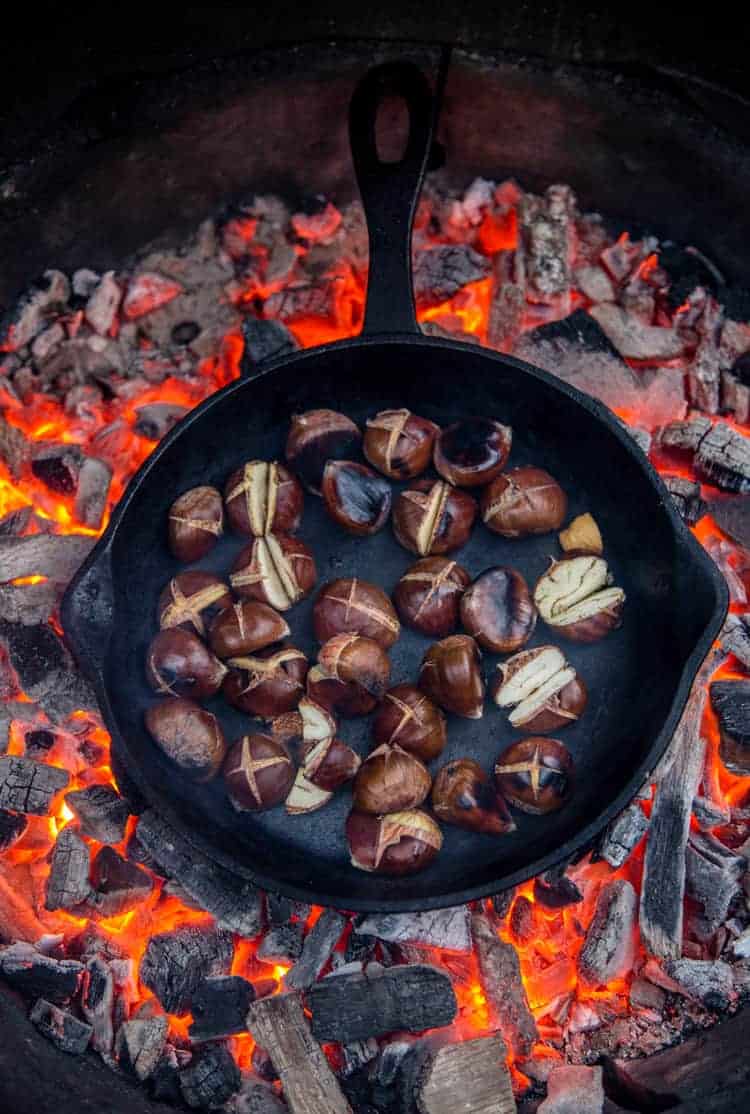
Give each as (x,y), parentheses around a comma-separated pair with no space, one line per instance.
(268,684)
(464,795)
(450,675)
(316,437)
(398,843)
(497,609)
(326,765)
(355,497)
(354,606)
(399,444)
(543,690)
(472,451)
(410,719)
(582,536)
(574,597)
(535,774)
(351,675)
(390,780)
(523,501)
(277,569)
(258,773)
(178,663)
(191,600)
(195,523)
(244,628)
(310,723)
(428,594)
(189,735)
(433,517)
(263,497)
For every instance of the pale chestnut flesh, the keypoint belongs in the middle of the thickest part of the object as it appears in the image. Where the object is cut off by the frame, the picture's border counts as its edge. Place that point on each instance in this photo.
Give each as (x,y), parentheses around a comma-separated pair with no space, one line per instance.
(398,843)
(276,569)
(543,690)
(575,597)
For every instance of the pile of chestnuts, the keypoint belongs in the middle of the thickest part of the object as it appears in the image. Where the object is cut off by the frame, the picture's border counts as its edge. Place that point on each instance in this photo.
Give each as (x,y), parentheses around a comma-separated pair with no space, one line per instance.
(231,635)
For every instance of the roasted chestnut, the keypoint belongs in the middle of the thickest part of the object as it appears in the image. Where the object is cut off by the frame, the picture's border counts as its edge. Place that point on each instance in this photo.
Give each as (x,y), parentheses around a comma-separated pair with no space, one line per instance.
(524,501)
(400,843)
(195,523)
(326,766)
(390,780)
(399,444)
(178,663)
(191,600)
(542,689)
(450,675)
(433,517)
(497,609)
(428,594)
(464,795)
(258,773)
(316,437)
(410,719)
(582,536)
(351,675)
(535,774)
(189,735)
(574,598)
(473,451)
(355,607)
(277,569)
(263,497)
(267,684)
(309,724)
(244,628)
(355,497)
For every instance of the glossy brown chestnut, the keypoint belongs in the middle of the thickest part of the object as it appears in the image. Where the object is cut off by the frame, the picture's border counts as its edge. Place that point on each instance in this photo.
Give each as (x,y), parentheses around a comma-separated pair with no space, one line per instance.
(316,437)
(191,600)
(189,735)
(309,724)
(356,498)
(464,795)
(473,451)
(399,444)
(431,517)
(178,663)
(351,675)
(195,523)
(267,684)
(263,497)
(400,843)
(345,698)
(277,569)
(497,609)
(450,675)
(390,780)
(542,689)
(574,597)
(258,773)
(244,628)
(409,719)
(427,596)
(354,606)
(522,502)
(535,774)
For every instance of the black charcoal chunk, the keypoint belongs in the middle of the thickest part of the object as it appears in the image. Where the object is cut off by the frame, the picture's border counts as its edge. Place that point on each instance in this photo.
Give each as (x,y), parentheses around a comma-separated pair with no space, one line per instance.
(68,882)
(211,1078)
(219,1007)
(28,786)
(176,963)
(62,1028)
(282,944)
(316,950)
(12,827)
(438,928)
(439,273)
(37,975)
(101,812)
(118,885)
(264,340)
(140,1044)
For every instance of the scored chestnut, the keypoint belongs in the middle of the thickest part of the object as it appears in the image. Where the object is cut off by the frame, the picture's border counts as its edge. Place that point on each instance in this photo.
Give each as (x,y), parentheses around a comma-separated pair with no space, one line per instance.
(522,502)
(244,628)
(354,606)
(355,497)
(535,774)
(351,675)
(191,600)
(310,723)
(450,675)
(574,597)
(397,844)
(543,690)
(390,780)
(277,569)
(410,719)
(326,766)
(316,437)
(399,444)
(267,684)
(263,497)
(189,735)
(472,451)
(427,596)
(497,609)
(258,773)
(195,523)
(464,795)
(431,517)
(178,663)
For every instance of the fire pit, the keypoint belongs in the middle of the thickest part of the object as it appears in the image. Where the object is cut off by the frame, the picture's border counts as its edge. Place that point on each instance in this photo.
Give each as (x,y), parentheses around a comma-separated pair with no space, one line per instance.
(127,944)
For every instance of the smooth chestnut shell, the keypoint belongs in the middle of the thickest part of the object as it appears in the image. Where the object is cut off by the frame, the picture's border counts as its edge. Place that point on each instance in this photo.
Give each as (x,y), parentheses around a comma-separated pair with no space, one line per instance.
(329,763)
(244,628)
(316,437)
(258,773)
(263,497)
(356,660)
(178,663)
(450,675)
(399,444)
(268,684)
(390,780)
(409,719)
(191,600)
(354,606)
(497,610)
(428,595)
(472,451)
(189,735)
(356,498)
(346,698)
(195,523)
(432,516)
(535,774)
(522,502)
(464,795)
(397,844)
(276,569)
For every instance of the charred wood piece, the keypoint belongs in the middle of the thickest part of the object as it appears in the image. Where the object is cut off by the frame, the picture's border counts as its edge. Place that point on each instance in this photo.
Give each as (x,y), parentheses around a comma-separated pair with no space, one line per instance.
(97,1000)
(508,303)
(155,420)
(281,944)
(140,1044)
(37,975)
(439,273)
(255,1097)
(703,374)
(55,556)
(281,910)
(731,702)
(101,812)
(713,874)
(15,451)
(38,656)
(302,300)
(57,467)
(556,891)
(176,963)
(28,604)
(68,882)
(211,1078)
(574,1087)
(219,1007)
(735,638)
(46,297)
(635,340)
(264,340)
(12,827)
(316,950)
(439,928)
(94,480)
(471,1076)
(118,885)
(708,981)
(500,976)
(63,1029)
(709,813)
(622,835)
(686,496)
(684,436)
(356,1056)
(609,947)
(545,230)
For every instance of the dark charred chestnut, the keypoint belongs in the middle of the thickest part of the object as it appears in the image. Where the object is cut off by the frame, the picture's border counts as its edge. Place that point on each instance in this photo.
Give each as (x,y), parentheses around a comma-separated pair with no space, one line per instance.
(263,497)
(409,719)
(355,497)
(450,675)
(267,684)
(244,628)
(524,501)
(427,596)
(354,606)
(497,609)
(258,773)
(535,774)
(189,735)
(178,663)
(433,517)
(351,675)
(390,780)
(399,444)
(191,600)
(574,597)
(397,844)
(196,522)
(464,795)
(277,569)
(542,689)
(473,451)
(316,437)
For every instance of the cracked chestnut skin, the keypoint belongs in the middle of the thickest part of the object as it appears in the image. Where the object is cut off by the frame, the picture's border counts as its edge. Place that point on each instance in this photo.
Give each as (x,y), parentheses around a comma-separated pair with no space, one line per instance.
(464,795)
(399,443)
(498,610)
(316,437)
(432,517)
(398,843)
(178,663)
(195,523)
(535,775)
(356,498)
(471,452)
(354,606)
(411,720)
(428,595)
(268,683)
(522,502)
(191,600)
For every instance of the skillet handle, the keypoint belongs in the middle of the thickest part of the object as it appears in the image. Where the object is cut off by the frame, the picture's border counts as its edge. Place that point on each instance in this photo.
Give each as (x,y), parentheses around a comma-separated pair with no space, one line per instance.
(87,613)
(390,191)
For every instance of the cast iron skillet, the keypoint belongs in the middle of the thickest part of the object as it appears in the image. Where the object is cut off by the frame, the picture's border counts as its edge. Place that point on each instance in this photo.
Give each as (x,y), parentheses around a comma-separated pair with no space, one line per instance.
(638,678)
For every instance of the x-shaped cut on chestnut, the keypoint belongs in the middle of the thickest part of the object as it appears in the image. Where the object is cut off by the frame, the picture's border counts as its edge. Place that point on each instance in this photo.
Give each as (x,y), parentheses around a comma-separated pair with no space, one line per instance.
(532,766)
(188,608)
(353,604)
(407,713)
(393,423)
(249,766)
(436,580)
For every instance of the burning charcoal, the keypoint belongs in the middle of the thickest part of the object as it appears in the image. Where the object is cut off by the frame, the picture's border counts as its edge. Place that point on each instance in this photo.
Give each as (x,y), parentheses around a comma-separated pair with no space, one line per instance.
(723,458)
(500,975)
(735,638)
(649,344)
(38,975)
(97,998)
(316,950)
(439,273)
(12,525)
(264,340)
(608,949)
(57,466)
(45,343)
(118,884)
(686,496)
(501,903)
(56,557)
(545,231)
(622,835)
(683,437)
(360,949)
(28,604)
(164,1081)
(68,882)
(103,303)
(710,814)
(147,292)
(84,282)
(280,910)
(440,928)
(155,420)
(594,283)
(255,1097)
(471,1075)
(645,996)
(65,1031)
(303,300)
(521,921)
(219,1007)
(27,786)
(573,1089)
(12,827)
(731,702)
(101,812)
(140,1044)
(94,481)
(356,1055)
(282,944)
(44,298)
(508,304)
(703,373)
(262,1065)
(706,980)
(735,397)
(347,1007)
(175,963)
(712,877)
(15,449)
(38,656)
(211,1078)
(554,891)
